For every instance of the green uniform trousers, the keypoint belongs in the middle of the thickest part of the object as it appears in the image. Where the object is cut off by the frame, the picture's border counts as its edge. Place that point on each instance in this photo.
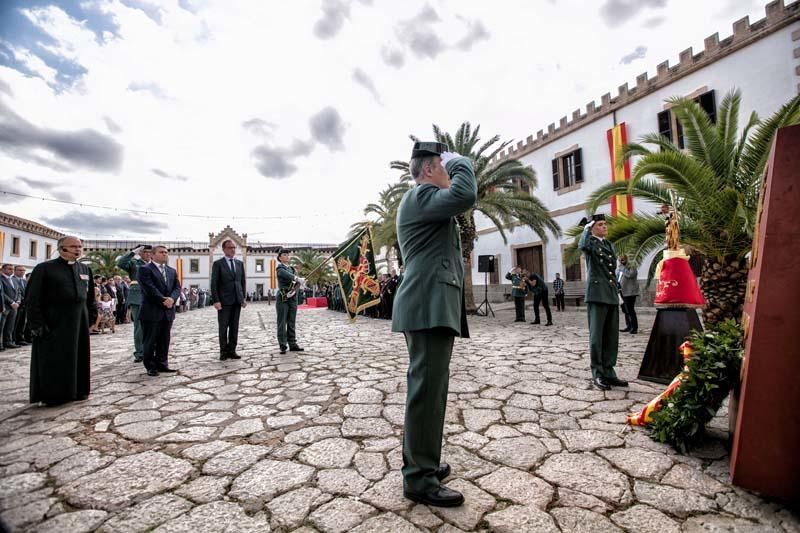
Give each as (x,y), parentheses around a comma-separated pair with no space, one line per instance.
(138,336)
(519,308)
(429,352)
(287,315)
(603,338)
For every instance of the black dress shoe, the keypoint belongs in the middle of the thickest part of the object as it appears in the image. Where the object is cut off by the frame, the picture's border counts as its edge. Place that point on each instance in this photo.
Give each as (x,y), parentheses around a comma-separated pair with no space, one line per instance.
(152,372)
(283,349)
(536,322)
(601,383)
(443,471)
(12,345)
(441,496)
(633,331)
(167,370)
(549,324)
(296,348)
(223,356)
(23,343)
(234,355)
(616,382)
(626,330)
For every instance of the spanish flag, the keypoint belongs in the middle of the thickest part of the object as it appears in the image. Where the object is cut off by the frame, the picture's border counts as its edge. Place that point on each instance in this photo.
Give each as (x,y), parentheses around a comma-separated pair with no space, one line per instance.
(273,264)
(3,244)
(621,205)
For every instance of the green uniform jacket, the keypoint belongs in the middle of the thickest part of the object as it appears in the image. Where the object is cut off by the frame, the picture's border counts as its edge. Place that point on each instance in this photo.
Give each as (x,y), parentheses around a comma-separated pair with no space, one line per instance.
(601,285)
(130,264)
(285,275)
(516,281)
(432,293)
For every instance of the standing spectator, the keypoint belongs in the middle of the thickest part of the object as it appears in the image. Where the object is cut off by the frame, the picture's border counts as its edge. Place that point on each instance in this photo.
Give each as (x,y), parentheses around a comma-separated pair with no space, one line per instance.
(627,276)
(105,312)
(111,288)
(540,296)
(159,283)
(519,291)
(193,299)
(228,283)
(122,298)
(558,290)
(21,330)
(61,306)
(11,296)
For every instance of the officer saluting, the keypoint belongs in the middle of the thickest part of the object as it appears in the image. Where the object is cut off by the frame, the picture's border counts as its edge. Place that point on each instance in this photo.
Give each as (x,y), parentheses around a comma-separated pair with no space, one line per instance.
(429,309)
(131,264)
(601,302)
(286,303)
(519,290)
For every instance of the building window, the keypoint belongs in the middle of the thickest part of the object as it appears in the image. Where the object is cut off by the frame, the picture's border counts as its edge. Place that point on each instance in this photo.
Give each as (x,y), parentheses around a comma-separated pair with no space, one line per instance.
(572,272)
(15,246)
(48,250)
(259,265)
(521,185)
(669,127)
(568,170)
(194,266)
(33,249)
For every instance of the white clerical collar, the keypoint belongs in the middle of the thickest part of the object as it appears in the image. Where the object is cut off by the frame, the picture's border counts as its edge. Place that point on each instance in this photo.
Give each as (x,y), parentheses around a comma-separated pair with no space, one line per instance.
(71,262)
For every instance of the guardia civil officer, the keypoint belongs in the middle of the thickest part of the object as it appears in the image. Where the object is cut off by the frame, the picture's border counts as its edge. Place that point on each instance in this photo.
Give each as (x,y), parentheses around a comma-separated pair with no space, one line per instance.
(601,302)
(286,303)
(131,263)
(429,309)
(519,290)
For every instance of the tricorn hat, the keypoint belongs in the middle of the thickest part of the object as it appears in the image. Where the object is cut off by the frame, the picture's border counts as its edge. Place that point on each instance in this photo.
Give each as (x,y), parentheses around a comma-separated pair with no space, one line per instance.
(427,149)
(282,251)
(598,217)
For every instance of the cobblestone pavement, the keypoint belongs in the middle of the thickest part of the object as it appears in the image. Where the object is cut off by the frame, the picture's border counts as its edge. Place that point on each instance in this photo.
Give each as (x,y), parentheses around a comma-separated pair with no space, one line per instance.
(312,442)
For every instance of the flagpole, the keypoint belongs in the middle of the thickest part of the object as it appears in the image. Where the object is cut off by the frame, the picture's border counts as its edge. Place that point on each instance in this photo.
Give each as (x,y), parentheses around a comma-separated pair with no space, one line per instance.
(354,239)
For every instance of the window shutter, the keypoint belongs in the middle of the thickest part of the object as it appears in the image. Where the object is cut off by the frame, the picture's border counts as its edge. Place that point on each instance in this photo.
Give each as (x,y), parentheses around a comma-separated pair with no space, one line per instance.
(556,179)
(578,165)
(665,124)
(709,105)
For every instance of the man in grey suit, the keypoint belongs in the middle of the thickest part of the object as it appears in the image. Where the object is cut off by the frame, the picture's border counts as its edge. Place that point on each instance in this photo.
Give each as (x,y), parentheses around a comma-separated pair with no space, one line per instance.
(228,286)
(429,309)
(627,275)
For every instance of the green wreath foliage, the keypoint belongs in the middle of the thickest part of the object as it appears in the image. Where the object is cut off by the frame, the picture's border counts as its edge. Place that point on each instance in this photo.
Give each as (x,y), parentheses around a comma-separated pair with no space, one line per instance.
(713,371)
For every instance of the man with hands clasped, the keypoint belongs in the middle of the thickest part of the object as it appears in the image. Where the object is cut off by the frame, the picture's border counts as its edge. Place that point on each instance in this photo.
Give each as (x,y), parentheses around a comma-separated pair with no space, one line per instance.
(228,284)
(160,290)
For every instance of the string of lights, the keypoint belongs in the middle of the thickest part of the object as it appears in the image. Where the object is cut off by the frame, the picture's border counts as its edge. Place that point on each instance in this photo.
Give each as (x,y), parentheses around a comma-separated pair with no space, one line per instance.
(148,212)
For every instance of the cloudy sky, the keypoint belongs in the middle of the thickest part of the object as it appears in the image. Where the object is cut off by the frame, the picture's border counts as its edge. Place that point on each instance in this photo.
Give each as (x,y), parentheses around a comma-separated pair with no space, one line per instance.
(280,118)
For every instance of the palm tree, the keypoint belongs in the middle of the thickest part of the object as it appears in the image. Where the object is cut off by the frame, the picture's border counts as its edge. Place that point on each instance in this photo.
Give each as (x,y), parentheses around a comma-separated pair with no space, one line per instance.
(383,221)
(308,261)
(502,194)
(103,262)
(716,184)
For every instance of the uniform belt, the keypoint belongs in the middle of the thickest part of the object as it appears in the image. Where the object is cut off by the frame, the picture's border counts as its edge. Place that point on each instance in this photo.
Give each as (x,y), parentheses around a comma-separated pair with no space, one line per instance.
(516,286)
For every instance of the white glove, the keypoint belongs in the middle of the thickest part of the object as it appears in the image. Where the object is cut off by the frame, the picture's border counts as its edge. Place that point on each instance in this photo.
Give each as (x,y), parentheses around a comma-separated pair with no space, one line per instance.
(590,224)
(448,156)
(138,249)
(300,280)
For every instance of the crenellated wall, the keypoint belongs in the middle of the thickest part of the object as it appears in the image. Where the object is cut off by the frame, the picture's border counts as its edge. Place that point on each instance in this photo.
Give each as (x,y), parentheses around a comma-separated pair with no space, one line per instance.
(778,16)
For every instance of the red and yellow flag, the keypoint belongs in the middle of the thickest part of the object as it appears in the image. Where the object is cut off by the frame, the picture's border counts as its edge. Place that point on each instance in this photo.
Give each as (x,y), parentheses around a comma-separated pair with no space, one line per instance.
(179,269)
(3,244)
(621,205)
(273,264)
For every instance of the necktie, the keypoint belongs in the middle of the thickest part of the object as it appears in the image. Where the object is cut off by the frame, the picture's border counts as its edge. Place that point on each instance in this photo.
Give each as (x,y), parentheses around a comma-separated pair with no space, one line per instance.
(233,268)
(163,272)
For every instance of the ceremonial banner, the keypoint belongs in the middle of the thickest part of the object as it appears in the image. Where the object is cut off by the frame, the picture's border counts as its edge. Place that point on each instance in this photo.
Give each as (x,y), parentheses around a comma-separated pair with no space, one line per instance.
(179,269)
(621,205)
(355,267)
(272,266)
(3,244)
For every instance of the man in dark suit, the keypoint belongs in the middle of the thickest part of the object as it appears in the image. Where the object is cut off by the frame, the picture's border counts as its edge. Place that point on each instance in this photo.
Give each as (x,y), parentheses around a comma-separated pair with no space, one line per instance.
(429,309)
(228,286)
(160,288)
(11,297)
(21,330)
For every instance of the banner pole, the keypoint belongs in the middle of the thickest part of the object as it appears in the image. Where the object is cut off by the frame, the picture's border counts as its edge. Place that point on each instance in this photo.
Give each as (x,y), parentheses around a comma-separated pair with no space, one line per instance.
(354,239)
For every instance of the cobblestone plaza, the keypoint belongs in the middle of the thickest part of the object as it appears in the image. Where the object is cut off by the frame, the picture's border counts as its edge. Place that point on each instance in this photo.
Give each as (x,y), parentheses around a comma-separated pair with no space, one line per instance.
(312,441)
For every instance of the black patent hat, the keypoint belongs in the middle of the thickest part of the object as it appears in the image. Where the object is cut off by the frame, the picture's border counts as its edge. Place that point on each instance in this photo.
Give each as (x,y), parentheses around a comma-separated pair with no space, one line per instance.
(282,251)
(427,149)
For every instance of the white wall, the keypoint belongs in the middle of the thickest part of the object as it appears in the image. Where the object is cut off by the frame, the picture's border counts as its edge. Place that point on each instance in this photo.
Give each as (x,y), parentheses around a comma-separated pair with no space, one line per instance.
(24,258)
(763,71)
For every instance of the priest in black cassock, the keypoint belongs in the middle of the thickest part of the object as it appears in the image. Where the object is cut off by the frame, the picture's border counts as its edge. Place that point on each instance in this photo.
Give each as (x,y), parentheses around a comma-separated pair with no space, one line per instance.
(61,307)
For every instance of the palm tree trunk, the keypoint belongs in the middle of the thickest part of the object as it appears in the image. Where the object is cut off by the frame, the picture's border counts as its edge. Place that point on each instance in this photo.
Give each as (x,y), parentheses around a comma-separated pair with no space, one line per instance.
(466,223)
(724,283)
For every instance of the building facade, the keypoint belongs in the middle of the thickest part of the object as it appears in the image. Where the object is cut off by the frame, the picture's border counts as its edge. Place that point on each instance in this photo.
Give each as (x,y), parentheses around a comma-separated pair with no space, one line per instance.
(25,242)
(572,159)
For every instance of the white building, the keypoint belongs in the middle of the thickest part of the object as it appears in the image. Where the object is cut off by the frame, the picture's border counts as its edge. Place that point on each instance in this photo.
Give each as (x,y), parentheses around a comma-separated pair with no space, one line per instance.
(761,59)
(25,242)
